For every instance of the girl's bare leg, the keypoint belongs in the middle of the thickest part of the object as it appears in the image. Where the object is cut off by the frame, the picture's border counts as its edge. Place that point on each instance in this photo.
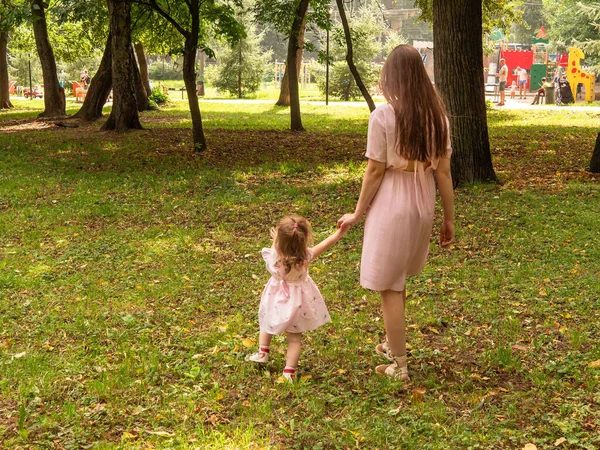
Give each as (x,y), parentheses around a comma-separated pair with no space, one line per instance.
(264,339)
(293,350)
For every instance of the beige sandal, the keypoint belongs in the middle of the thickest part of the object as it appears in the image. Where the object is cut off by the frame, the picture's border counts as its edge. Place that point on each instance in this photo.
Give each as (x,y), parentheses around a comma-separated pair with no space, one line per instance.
(398,368)
(384,350)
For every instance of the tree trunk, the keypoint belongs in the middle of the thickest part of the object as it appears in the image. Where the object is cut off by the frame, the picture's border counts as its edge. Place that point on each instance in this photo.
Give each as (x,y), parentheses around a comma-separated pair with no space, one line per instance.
(595,162)
(239,69)
(124,114)
(54,94)
(141,94)
(189,76)
(143,65)
(350,58)
(284,93)
(4,79)
(100,87)
(292,61)
(458,49)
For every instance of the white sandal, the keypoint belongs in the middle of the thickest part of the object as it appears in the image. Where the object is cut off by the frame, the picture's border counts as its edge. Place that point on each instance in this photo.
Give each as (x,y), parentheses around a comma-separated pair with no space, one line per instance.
(384,350)
(261,356)
(398,368)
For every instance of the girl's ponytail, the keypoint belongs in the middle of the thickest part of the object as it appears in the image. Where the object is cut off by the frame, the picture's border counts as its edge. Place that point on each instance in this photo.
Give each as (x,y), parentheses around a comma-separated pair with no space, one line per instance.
(294,235)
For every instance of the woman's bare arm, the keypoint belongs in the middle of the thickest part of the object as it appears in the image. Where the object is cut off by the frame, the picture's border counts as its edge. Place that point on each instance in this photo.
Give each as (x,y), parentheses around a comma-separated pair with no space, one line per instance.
(444,181)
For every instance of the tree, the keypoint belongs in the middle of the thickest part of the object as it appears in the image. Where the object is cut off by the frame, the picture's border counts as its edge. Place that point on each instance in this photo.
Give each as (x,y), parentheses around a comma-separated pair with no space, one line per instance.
(100,87)
(242,67)
(54,94)
(350,59)
(143,65)
(11,15)
(292,55)
(191,19)
(595,162)
(458,49)
(124,115)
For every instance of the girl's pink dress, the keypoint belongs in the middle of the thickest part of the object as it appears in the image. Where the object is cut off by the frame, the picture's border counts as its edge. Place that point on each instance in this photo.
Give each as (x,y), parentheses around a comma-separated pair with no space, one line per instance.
(400,218)
(290,301)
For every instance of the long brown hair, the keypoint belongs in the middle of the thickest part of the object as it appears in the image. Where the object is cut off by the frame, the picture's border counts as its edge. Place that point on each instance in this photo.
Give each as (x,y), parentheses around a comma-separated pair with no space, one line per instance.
(421,128)
(293,235)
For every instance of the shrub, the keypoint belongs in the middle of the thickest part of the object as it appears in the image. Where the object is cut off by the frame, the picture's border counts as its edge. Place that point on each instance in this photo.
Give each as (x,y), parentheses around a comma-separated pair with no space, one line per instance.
(158,96)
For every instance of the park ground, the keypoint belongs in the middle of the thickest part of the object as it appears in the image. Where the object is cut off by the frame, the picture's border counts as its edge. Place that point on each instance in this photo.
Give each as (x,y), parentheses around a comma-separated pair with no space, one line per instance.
(130,275)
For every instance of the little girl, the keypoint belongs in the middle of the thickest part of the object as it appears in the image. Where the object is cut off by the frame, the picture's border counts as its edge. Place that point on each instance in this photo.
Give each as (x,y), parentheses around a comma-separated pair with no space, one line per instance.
(513,89)
(291,301)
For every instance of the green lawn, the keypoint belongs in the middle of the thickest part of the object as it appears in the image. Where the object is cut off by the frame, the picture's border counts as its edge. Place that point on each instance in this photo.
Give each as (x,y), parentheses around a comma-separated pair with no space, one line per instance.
(130,276)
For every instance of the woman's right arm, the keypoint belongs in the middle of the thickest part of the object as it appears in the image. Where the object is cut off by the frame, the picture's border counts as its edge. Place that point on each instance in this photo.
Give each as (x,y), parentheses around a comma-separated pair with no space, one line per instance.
(444,181)
(370,186)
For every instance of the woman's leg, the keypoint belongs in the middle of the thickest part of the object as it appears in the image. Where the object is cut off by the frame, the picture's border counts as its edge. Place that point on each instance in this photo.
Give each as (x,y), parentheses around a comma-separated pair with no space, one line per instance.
(392,305)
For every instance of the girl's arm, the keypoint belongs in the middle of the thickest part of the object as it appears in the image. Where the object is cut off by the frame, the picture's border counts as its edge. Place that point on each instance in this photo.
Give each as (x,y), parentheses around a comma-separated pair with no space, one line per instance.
(326,244)
(370,186)
(444,180)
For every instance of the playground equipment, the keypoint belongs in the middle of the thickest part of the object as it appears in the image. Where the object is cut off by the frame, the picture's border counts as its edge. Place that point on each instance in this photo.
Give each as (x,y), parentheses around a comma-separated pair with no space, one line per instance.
(575,75)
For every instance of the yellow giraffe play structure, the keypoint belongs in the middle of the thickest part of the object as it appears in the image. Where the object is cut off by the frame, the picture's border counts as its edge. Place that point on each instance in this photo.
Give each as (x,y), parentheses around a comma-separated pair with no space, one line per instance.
(575,75)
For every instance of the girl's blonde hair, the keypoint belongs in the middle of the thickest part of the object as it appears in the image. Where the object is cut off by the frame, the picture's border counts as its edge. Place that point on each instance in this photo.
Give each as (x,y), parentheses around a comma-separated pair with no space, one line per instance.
(293,235)
(421,128)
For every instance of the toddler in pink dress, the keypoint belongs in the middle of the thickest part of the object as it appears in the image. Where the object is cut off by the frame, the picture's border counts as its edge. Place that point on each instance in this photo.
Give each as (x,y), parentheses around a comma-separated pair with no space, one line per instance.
(291,301)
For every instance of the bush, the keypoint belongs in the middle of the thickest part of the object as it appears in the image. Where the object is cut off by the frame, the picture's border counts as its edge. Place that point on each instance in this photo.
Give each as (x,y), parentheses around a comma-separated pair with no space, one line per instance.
(152,104)
(158,97)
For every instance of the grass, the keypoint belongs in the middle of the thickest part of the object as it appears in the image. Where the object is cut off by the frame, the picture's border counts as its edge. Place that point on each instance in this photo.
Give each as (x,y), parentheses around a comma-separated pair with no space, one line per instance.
(130,276)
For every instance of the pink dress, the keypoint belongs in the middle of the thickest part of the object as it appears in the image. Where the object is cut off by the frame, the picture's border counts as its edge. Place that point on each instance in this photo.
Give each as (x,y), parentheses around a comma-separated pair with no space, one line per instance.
(290,301)
(400,218)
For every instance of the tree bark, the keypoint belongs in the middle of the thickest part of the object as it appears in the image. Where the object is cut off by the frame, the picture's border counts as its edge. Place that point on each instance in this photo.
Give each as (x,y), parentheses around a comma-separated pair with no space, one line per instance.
(284,93)
(458,54)
(141,94)
(54,94)
(189,77)
(350,58)
(143,65)
(595,161)
(4,79)
(124,115)
(292,61)
(100,87)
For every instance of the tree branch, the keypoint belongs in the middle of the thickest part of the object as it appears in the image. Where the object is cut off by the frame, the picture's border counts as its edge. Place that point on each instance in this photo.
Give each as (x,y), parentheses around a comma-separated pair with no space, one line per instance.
(152,4)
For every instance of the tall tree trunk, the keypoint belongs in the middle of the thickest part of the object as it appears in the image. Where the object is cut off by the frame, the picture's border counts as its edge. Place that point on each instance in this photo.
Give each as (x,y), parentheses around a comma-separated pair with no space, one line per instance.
(143,65)
(189,77)
(350,58)
(141,94)
(595,162)
(4,79)
(54,94)
(292,61)
(458,49)
(284,93)
(124,114)
(239,81)
(100,87)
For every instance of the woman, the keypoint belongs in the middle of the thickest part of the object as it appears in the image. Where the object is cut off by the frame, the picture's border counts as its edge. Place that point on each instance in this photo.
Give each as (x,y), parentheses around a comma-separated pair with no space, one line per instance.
(408,140)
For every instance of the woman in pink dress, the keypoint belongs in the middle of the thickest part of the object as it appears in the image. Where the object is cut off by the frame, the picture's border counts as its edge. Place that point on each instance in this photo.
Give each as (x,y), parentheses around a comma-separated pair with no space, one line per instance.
(408,141)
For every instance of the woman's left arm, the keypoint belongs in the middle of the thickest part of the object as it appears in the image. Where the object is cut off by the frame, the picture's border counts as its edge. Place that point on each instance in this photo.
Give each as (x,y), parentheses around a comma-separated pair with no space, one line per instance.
(370,186)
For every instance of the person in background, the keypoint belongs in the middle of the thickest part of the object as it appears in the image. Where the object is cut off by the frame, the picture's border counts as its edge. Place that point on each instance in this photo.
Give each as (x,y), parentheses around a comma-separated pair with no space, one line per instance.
(523,76)
(502,76)
(513,90)
(541,92)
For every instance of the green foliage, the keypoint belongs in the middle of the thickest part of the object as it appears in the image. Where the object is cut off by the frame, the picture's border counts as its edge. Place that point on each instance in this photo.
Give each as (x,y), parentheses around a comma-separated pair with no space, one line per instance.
(158,96)
(496,13)
(371,38)
(246,60)
(18,69)
(568,24)
(591,47)
(163,70)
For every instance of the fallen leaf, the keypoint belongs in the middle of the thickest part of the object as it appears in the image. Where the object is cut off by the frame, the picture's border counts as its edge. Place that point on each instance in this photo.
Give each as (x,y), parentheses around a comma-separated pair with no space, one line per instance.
(304,378)
(530,447)
(160,433)
(593,364)
(19,355)
(247,342)
(417,394)
(520,347)
(560,441)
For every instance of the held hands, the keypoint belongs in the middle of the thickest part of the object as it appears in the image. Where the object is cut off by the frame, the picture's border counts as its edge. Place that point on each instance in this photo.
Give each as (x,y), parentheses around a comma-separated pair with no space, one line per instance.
(446,234)
(346,221)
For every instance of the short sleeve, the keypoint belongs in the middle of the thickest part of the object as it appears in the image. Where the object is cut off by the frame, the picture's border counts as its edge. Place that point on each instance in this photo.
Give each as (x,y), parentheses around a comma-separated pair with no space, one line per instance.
(376,138)
(270,257)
